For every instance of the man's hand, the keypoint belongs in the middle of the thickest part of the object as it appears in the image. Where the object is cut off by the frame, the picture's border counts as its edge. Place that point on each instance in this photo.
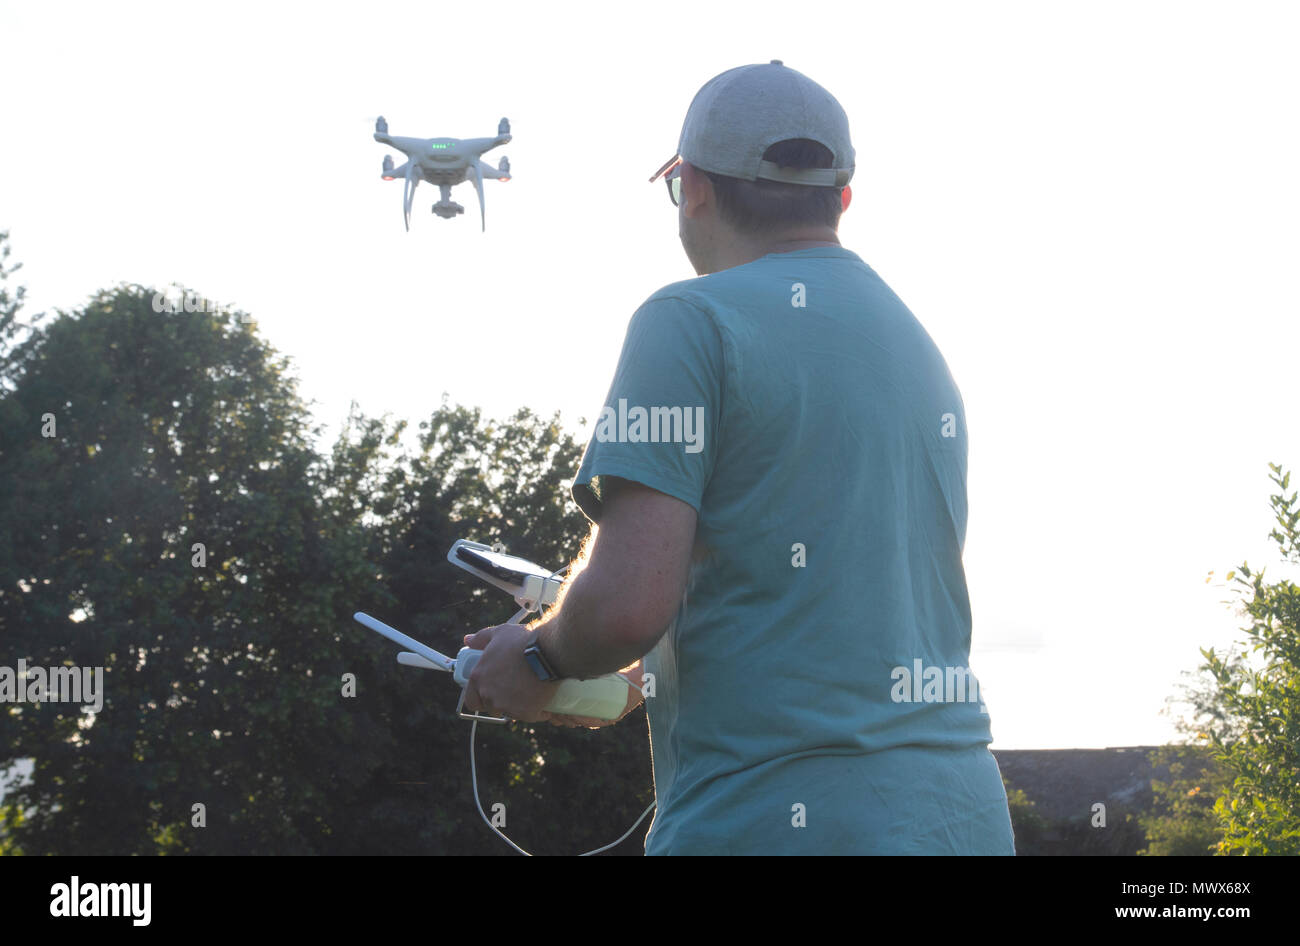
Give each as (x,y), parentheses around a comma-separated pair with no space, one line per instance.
(502,683)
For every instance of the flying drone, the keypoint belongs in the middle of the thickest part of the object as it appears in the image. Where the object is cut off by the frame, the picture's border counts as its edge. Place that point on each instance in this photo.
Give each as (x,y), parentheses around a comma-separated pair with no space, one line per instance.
(444,162)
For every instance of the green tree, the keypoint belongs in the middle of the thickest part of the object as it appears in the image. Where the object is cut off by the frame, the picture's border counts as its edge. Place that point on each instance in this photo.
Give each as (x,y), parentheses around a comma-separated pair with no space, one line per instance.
(1255,724)
(1182,821)
(10,304)
(159,519)
(1027,824)
(129,435)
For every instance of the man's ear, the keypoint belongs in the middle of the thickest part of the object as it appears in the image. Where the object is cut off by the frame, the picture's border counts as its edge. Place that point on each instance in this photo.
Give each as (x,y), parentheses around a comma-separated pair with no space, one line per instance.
(697,190)
(846,198)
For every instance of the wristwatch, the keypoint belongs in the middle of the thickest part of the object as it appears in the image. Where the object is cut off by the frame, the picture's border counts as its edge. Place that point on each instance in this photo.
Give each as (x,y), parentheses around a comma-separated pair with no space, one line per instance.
(537,660)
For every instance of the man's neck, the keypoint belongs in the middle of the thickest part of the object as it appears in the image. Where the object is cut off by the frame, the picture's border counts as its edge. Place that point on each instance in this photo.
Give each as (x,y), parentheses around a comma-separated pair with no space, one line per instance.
(789,246)
(788,243)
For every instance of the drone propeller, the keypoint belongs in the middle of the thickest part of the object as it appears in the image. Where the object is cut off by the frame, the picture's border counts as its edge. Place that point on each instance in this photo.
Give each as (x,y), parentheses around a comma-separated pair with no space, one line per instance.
(408,193)
(478,186)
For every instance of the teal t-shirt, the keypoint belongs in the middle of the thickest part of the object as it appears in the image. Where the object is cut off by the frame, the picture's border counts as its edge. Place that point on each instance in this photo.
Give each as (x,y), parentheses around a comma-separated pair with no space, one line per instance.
(813,694)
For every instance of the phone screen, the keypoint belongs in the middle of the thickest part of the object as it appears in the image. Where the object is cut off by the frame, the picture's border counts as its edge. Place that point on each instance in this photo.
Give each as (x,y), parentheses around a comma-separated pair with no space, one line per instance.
(506,567)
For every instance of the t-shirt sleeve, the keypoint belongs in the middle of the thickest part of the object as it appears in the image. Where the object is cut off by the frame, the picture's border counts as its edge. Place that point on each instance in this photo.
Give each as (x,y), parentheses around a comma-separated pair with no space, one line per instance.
(659,425)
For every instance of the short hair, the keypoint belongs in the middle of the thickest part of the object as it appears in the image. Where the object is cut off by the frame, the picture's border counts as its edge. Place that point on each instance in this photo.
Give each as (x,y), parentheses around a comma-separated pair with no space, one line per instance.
(769,206)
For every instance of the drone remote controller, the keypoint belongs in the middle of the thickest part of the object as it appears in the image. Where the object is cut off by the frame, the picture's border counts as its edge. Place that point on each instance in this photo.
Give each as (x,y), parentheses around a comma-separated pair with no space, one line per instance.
(532,587)
(602,698)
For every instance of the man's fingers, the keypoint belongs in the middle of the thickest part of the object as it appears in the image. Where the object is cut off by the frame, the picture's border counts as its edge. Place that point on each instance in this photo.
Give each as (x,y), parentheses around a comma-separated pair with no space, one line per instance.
(474,701)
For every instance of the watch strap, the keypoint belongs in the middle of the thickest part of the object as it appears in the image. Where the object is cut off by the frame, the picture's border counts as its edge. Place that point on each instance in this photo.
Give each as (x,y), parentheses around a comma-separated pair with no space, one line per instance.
(537,660)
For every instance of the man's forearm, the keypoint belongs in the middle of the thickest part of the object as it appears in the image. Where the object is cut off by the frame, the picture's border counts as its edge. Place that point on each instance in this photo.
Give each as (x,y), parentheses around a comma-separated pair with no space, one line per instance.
(577,638)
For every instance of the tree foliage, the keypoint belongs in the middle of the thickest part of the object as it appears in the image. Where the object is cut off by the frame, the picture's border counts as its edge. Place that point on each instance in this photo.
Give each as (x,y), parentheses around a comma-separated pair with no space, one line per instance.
(10,303)
(1027,825)
(1183,822)
(1252,718)
(164,515)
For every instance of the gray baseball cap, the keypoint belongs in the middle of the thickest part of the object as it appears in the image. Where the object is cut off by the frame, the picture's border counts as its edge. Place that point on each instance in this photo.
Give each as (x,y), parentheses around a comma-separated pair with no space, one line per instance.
(741,113)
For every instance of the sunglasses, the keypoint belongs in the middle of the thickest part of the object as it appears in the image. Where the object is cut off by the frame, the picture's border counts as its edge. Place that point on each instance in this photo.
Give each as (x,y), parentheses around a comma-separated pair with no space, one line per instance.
(672,175)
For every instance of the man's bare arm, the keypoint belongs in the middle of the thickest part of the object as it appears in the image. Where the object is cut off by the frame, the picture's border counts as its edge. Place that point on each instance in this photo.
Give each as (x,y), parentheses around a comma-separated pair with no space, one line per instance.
(634,575)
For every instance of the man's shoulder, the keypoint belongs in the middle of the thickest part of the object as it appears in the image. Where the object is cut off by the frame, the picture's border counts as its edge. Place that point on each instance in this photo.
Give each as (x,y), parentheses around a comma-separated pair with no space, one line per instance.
(679,306)
(686,292)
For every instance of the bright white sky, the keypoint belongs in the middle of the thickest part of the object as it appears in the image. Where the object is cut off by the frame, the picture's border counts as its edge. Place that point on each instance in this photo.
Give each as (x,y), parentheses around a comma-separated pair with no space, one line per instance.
(1092,208)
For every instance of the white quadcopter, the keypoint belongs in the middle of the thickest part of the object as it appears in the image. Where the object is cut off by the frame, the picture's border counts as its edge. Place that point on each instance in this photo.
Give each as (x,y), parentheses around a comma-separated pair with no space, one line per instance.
(445,162)
(533,588)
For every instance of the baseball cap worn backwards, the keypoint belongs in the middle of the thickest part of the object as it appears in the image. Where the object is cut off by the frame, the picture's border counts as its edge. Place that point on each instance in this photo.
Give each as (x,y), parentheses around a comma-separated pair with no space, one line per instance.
(741,113)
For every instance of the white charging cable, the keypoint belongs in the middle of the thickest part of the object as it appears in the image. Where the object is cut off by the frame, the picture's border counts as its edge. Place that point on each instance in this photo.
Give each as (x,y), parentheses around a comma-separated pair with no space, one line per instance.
(473,775)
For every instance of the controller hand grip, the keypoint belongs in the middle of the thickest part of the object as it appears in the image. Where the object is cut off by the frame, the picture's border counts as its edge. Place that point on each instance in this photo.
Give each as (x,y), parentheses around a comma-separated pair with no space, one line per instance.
(600,698)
